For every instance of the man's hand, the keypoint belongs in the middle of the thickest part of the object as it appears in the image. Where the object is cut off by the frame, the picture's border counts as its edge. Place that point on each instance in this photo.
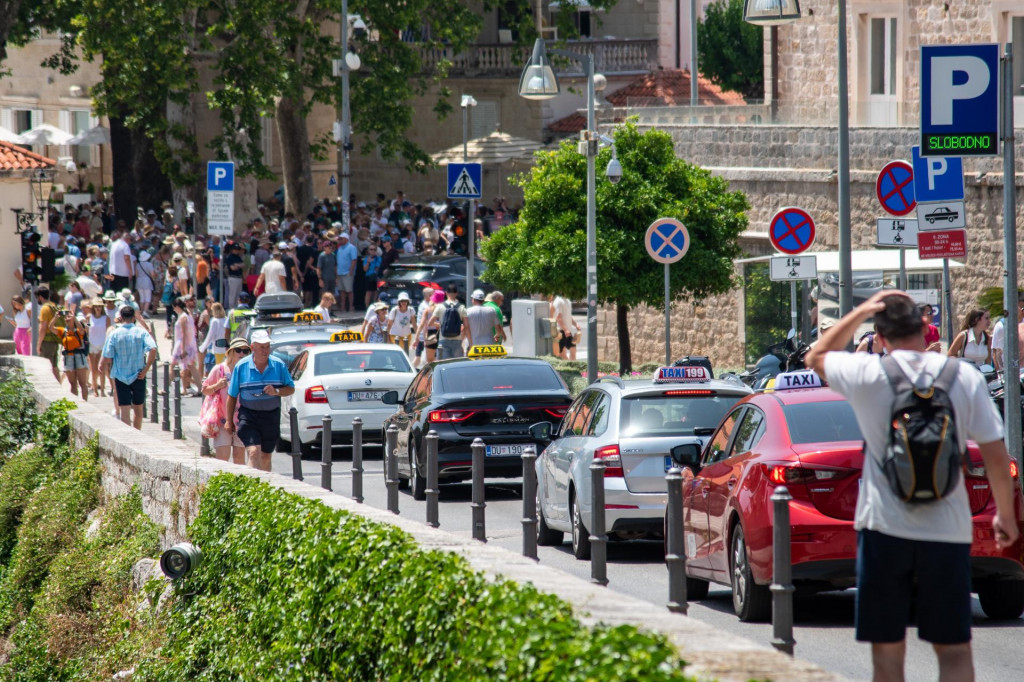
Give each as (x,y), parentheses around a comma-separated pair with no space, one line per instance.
(142,374)
(270,390)
(1006,530)
(229,425)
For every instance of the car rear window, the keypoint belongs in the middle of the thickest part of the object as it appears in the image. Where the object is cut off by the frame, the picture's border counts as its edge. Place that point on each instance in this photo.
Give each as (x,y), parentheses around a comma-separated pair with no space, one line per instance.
(289,351)
(661,415)
(824,422)
(482,375)
(400,274)
(352,361)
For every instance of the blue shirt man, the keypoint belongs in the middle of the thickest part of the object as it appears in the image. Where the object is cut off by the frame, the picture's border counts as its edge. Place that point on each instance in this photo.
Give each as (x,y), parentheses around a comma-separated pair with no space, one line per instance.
(346,256)
(128,353)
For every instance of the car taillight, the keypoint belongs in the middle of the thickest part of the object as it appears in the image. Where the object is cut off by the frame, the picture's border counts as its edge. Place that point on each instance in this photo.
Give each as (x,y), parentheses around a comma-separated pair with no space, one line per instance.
(316,394)
(556,412)
(1013,468)
(978,470)
(450,415)
(433,285)
(612,460)
(381,284)
(799,479)
(690,392)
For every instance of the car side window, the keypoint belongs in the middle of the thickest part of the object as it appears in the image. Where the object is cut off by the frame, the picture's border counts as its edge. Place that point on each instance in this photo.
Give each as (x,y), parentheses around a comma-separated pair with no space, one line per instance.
(749,432)
(599,420)
(298,365)
(718,448)
(416,392)
(575,421)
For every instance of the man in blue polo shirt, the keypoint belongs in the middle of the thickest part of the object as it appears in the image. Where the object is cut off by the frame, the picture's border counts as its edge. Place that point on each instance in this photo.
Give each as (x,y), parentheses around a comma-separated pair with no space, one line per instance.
(257,384)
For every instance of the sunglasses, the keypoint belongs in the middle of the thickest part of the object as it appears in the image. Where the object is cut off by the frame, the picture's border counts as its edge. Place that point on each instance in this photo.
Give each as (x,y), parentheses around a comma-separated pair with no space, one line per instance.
(242,351)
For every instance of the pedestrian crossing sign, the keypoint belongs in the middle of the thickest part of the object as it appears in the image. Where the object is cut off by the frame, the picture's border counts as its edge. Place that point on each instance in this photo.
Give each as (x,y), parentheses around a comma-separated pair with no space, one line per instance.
(464,180)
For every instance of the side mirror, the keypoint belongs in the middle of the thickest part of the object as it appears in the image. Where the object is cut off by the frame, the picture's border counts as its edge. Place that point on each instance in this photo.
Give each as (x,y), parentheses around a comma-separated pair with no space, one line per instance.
(541,431)
(390,398)
(687,455)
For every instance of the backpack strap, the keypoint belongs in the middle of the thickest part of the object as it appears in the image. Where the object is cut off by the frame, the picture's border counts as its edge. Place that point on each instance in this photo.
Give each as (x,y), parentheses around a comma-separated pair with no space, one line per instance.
(898,380)
(947,375)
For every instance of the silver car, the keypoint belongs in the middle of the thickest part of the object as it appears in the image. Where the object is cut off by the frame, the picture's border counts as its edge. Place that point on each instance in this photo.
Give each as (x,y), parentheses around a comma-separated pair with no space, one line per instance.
(632,426)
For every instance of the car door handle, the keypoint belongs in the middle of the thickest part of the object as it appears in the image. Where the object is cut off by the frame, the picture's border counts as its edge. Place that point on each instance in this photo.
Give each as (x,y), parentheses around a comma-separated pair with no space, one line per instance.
(732,482)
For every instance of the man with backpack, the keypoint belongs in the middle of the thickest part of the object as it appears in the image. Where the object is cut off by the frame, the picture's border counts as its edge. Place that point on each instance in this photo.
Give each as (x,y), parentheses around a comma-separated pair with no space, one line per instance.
(916,410)
(452,316)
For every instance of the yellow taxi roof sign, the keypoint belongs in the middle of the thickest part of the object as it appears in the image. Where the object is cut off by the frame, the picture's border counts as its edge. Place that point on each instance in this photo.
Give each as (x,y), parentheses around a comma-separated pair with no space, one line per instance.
(493,351)
(346,337)
(308,316)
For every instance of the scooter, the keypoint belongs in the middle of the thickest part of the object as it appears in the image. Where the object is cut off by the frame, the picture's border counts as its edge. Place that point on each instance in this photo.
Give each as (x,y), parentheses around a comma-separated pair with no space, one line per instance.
(783,356)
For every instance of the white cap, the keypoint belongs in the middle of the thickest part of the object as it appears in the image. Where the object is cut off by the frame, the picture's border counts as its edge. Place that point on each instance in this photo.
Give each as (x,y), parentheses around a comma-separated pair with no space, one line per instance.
(478,295)
(260,336)
(403,296)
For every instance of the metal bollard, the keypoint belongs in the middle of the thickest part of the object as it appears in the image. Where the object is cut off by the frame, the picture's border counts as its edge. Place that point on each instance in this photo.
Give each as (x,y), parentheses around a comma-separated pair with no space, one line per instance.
(598,537)
(478,505)
(177,404)
(293,432)
(357,459)
(432,491)
(325,455)
(204,447)
(154,390)
(675,557)
(530,502)
(166,425)
(391,467)
(782,574)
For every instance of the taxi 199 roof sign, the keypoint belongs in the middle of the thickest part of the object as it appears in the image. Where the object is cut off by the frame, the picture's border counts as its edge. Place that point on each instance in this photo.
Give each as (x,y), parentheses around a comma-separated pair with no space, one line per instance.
(960,100)
(682,375)
(346,337)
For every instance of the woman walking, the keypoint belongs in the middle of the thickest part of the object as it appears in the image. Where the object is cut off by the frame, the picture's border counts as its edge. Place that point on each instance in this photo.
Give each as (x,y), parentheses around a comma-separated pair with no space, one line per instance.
(22,322)
(215,343)
(973,343)
(212,415)
(98,323)
(184,351)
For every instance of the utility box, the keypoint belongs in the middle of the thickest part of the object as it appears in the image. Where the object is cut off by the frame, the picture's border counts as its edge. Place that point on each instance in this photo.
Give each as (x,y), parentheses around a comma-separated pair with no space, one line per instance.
(531,328)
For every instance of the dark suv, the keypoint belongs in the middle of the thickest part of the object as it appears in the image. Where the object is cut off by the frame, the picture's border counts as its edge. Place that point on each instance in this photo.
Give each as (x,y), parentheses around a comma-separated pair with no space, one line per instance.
(412,274)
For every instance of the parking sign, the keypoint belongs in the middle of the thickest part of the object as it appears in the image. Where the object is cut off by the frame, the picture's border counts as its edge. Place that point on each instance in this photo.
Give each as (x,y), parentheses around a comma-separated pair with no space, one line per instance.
(959,100)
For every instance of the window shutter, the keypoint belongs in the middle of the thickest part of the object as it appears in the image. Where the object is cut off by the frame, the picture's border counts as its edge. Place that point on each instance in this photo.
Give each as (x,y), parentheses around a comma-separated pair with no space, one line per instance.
(5,119)
(65,125)
(483,119)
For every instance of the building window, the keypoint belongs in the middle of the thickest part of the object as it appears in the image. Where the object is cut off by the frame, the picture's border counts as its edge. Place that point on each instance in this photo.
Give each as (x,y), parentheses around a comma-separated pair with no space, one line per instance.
(883,56)
(483,119)
(22,120)
(82,153)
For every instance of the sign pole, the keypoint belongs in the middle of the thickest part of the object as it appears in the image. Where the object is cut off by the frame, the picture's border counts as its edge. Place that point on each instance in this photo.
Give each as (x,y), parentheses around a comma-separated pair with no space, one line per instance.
(668,325)
(1012,391)
(947,302)
(793,312)
(903,269)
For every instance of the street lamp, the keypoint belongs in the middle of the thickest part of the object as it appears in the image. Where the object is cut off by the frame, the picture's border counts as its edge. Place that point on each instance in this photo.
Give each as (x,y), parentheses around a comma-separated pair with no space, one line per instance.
(538,82)
(343,129)
(42,185)
(468,102)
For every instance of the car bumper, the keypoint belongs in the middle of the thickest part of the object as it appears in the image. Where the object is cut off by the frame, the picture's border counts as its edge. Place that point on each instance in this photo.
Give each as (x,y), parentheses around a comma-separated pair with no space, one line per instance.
(631,512)
(455,459)
(311,425)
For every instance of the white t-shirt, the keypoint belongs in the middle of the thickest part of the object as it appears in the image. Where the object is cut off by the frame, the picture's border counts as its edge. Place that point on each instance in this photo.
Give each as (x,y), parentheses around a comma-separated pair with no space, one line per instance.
(563,309)
(116,265)
(999,335)
(324,312)
(89,286)
(975,349)
(402,321)
(273,271)
(97,330)
(860,378)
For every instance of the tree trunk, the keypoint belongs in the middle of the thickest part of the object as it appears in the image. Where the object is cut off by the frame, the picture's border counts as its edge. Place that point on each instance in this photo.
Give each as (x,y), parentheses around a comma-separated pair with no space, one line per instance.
(151,185)
(625,352)
(125,204)
(297,161)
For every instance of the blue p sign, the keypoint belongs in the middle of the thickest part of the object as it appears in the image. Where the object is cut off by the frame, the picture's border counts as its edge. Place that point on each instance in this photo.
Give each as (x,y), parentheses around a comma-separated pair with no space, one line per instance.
(959,100)
(220,176)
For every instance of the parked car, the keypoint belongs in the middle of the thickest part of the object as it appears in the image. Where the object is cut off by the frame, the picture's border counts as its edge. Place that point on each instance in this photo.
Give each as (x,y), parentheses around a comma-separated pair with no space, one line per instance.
(410,275)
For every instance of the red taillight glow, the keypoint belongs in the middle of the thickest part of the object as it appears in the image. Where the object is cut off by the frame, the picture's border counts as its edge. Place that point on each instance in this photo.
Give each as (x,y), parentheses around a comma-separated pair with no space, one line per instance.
(556,412)
(1013,468)
(381,284)
(450,415)
(316,394)
(359,352)
(803,480)
(689,392)
(612,460)
(433,285)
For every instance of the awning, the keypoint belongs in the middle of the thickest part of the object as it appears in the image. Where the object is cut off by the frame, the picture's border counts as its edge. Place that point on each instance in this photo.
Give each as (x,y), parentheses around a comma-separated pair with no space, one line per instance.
(886,260)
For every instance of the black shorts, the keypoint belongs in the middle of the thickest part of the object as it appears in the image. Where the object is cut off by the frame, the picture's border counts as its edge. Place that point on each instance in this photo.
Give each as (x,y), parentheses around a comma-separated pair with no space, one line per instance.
(890,571)
(259,427)
(119,283)
(130,394)
(565,342)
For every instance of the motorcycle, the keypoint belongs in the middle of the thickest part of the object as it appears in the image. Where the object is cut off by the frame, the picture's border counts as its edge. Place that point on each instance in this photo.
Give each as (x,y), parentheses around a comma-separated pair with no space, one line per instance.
(784,356)
(997,389)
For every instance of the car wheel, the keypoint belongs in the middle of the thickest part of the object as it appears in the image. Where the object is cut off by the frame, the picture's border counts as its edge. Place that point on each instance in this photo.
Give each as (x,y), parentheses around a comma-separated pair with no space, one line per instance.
(417,481)
(751,602)
(545,536)
(580,535)
(1001,599)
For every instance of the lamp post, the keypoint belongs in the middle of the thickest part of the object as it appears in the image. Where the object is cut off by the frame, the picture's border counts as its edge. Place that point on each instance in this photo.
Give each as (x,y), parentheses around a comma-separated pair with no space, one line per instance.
(538,82)
(469,101)
(343,129)
(41,185)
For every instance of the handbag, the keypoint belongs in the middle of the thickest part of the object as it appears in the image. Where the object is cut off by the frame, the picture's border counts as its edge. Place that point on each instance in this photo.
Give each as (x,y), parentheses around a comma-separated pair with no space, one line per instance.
(168,293)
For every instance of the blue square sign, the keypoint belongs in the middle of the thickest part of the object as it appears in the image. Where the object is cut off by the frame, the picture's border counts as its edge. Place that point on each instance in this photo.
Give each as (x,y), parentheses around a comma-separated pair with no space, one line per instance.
(959,100)
(464,180)
(937,178)
(220,176)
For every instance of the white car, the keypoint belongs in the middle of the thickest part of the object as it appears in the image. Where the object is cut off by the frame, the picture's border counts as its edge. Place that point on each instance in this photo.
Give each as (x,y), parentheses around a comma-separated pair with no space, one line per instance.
(343,380)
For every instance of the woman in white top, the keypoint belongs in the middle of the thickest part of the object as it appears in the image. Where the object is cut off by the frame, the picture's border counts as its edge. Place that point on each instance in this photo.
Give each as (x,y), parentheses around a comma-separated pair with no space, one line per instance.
(22,322)
(98,323)
(216,340)
(974,343)
(145,281)
(402,322)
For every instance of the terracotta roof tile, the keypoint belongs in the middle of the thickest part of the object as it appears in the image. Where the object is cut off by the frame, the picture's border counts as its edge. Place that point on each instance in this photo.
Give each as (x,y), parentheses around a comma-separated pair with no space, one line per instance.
(13,157)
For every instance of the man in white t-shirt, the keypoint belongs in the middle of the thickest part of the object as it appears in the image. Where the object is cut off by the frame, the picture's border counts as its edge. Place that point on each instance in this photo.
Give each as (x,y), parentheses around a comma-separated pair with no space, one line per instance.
(120,264)
(924,548)
(999,342)
(272,275)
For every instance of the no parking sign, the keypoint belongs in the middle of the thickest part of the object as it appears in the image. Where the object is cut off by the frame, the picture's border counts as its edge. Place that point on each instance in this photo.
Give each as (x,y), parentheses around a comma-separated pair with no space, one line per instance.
(791,230)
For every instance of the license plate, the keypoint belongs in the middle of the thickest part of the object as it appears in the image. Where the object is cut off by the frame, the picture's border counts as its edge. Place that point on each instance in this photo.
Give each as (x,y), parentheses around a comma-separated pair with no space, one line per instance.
(668,462)
(354,396)
(505,450)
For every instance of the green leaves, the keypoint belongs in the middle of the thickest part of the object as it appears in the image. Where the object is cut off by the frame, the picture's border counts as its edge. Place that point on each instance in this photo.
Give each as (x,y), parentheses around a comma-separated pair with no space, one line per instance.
(730,50)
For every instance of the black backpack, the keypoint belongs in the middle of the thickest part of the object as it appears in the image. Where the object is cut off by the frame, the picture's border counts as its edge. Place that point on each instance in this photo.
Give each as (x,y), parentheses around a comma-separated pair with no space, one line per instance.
(451,321)
(923,459)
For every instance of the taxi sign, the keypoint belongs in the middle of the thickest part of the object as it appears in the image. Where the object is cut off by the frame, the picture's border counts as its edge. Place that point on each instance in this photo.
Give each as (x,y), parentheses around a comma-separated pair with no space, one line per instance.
(495,351)
(803,379)
(682,375)
(308,316)
(346,337)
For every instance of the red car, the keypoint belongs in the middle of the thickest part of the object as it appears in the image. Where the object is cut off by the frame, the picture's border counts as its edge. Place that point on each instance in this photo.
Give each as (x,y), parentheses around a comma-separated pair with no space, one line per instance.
(808,440)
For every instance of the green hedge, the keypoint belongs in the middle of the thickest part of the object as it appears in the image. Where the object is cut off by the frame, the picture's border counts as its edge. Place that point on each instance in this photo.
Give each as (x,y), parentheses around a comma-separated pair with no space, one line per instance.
(292,590)
(18,412)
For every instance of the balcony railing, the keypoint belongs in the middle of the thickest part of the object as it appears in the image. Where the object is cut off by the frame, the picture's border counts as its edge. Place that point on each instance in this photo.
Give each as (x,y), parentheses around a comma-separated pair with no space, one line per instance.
(611,57)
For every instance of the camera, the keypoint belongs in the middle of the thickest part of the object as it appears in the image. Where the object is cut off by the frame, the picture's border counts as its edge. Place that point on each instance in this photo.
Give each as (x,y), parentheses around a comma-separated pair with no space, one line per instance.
(614,171)
(62,312)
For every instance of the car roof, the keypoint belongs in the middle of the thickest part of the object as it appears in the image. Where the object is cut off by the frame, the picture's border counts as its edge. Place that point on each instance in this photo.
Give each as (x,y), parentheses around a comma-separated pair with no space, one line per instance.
(800,396)
(504,360)
(314,329)
(636,386)
(323,348)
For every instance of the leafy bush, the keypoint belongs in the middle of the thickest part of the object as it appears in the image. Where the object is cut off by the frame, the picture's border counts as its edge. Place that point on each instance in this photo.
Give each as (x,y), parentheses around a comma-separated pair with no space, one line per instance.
(290,589)
(17,412)
(54,430)
(19,478)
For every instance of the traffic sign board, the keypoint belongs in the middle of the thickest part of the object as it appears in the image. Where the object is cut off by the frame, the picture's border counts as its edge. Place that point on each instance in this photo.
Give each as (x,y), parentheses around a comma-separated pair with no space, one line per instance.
(791,230)
(220,176)
(941,215)
(220,197)
(900,232)
(464,180)
(942,244)
(960,100)
(895,188)
(937,178)
(792,268)
(667,240)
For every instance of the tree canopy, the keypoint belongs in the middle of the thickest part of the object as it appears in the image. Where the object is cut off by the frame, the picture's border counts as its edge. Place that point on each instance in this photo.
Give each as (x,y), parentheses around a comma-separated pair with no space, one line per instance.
(544,252)
(730,50)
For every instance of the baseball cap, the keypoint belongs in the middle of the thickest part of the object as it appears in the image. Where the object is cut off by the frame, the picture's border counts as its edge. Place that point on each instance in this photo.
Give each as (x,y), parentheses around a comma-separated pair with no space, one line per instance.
(282,245)
(343,235)
(260,336)
(478,295)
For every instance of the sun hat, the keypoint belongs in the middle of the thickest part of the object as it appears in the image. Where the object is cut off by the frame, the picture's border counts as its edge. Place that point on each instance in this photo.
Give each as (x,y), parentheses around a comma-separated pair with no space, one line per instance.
(403,296)
(239,342)
(109,295)
(96,302)
(437,297)
(260,336)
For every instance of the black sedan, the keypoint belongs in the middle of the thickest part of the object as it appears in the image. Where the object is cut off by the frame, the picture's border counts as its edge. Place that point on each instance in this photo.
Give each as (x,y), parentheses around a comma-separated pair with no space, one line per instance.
(494,399)
(410,275)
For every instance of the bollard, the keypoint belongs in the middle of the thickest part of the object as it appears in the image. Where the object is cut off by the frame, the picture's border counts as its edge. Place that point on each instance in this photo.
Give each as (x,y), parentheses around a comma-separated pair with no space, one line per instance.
(177,404)
(357,459)
(325,455)
(598,537)
(478,505)
(204,447)
(391,467)
(293,431)
(166,425)
(782,574)
(432,491)
(530,502)
(675,556)
(154,405)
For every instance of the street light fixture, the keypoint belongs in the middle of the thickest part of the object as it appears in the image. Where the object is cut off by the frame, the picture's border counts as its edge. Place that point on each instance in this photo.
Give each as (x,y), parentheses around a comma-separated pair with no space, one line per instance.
(468,102)
(42,185)
(771,12)
(538,82)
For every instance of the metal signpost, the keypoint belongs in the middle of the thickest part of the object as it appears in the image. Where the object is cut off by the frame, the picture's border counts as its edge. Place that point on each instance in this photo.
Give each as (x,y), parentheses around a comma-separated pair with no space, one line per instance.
(667,241)
(220,207)
(791,231)
(895,191)
(465,181)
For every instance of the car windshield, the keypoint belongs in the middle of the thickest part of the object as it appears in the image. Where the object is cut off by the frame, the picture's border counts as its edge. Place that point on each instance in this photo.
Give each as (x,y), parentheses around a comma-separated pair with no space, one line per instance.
(288,351)
(823,422)
(360,360)
(665,415)
(417,274)
(481,376)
